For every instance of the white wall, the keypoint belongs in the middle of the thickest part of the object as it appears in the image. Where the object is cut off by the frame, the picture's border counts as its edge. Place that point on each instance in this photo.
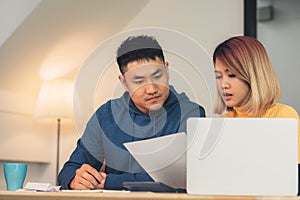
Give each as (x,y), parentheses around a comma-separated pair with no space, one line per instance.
(281,39)
(12,14)
(209,22)
(26,139)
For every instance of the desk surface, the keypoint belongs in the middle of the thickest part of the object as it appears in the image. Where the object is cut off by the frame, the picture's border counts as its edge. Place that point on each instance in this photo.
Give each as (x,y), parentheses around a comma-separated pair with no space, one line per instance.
(7,195)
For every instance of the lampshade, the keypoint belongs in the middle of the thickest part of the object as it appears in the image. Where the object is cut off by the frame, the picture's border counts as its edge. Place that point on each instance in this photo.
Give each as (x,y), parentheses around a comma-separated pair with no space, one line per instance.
(55,99)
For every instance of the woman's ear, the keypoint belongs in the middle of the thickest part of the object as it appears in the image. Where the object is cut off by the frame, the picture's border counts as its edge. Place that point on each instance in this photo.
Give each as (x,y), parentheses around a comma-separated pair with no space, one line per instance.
(123,82)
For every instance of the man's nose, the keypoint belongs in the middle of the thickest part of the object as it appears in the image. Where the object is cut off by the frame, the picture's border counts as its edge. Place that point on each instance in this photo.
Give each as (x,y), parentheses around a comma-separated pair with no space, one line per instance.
(151,88)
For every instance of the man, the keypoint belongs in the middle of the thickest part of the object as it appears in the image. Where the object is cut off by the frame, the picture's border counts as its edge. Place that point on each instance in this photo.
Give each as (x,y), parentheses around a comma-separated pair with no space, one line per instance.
(149,108)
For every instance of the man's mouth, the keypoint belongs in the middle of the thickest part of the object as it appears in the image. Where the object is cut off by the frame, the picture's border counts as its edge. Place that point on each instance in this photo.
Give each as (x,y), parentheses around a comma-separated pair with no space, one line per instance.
(154,98)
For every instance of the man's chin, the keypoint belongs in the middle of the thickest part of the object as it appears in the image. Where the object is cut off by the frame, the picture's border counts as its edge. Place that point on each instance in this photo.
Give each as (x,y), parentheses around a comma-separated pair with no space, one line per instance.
(155,107)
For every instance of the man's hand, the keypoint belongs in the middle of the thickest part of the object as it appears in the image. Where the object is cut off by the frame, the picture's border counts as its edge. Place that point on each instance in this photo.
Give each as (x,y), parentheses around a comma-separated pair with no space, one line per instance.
(88,178)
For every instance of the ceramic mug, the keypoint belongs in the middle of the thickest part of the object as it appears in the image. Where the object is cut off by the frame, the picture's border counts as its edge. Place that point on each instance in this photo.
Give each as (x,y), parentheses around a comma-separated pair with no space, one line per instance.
(14,174)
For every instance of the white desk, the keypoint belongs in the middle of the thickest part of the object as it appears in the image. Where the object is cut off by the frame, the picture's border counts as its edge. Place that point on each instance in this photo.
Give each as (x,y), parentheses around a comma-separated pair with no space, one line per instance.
(8,195)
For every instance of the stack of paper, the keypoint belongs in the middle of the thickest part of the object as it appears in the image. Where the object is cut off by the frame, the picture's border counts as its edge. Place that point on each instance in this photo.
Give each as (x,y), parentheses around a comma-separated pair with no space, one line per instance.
(40,187)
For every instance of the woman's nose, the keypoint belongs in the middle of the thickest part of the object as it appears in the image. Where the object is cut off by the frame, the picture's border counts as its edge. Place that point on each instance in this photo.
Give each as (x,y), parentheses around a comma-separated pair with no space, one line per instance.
(225,83)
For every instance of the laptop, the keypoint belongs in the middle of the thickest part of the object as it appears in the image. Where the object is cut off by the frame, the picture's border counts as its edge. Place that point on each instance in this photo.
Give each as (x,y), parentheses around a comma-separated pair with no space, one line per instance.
(242,156)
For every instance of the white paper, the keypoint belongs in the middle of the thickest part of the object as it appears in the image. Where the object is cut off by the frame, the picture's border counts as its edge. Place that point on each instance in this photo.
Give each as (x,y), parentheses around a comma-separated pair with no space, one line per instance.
(163,158)
(95,191)
(40,187)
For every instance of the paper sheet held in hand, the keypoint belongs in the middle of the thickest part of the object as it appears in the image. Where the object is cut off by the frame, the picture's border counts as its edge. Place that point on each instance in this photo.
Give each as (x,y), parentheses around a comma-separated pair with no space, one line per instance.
(163,158)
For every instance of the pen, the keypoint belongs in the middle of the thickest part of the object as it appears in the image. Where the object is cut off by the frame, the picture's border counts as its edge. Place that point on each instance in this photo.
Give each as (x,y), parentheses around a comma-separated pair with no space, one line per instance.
(89,160)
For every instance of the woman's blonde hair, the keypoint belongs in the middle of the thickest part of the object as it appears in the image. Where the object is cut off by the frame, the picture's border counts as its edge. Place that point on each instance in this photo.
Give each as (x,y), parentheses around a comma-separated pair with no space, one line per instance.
(247,58)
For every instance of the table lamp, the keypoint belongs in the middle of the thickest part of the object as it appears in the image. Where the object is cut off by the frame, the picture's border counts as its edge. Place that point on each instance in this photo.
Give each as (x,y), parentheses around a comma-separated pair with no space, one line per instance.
(55,101)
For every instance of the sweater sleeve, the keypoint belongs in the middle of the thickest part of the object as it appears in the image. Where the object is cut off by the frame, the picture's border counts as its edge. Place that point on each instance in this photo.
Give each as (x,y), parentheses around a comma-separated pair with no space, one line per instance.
(83,155)
(79,157)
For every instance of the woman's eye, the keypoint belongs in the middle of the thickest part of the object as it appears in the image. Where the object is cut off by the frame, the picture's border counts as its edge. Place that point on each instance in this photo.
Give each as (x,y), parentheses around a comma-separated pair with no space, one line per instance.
(232,75)
(218,77)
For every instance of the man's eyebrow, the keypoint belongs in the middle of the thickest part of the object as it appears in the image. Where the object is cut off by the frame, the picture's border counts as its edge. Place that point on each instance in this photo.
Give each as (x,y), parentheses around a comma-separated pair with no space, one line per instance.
(138,77)
(156,71)
(141,77)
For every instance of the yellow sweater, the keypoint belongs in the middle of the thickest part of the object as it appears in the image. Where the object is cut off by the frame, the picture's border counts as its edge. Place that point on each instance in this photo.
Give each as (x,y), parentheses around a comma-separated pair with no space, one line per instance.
(277,111)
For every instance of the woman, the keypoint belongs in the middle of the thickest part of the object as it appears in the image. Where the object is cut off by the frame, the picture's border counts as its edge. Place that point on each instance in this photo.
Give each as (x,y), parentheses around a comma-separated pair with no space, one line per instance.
(246,82)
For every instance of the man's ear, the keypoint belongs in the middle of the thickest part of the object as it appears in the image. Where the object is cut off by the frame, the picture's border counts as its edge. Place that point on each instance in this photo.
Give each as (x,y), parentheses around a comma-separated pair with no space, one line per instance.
(167,69)
(123,82)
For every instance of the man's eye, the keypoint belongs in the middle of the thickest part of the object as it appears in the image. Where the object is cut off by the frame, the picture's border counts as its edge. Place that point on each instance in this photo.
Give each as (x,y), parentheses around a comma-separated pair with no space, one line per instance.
(139,82)
(156,77)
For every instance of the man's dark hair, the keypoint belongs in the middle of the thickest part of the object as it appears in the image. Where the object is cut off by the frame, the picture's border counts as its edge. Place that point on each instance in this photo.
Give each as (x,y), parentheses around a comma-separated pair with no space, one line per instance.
(136,48)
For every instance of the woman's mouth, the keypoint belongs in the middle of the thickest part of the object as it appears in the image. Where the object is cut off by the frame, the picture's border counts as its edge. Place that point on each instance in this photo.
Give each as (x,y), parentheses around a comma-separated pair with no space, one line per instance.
(227,96)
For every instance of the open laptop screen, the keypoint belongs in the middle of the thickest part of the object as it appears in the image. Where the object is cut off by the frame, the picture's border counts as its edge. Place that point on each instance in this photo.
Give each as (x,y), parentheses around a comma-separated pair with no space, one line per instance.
(242,156)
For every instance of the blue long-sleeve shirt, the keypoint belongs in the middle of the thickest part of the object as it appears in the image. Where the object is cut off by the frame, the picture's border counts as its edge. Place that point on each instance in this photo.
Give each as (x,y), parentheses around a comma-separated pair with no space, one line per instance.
(119,121)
